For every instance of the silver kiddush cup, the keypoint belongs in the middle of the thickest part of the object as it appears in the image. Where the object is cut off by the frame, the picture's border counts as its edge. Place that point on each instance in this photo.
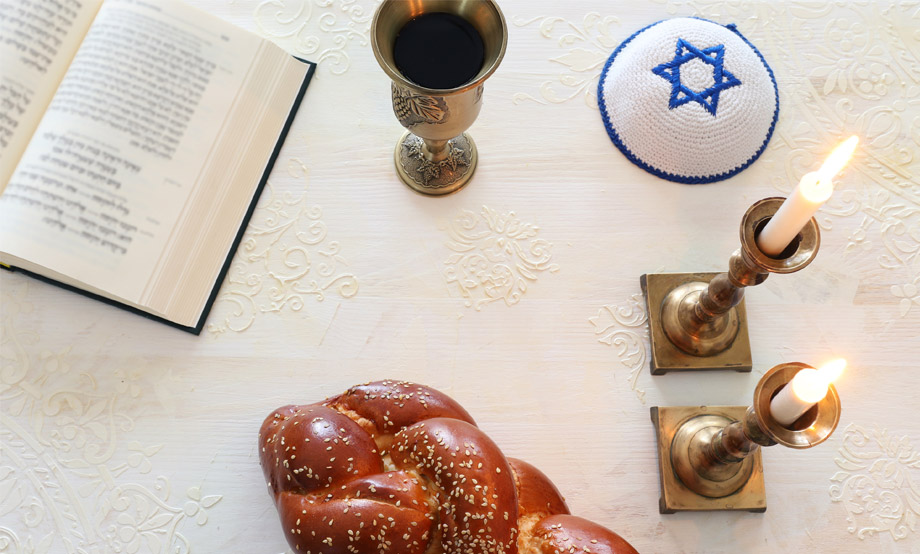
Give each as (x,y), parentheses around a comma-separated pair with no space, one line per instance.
(436,156)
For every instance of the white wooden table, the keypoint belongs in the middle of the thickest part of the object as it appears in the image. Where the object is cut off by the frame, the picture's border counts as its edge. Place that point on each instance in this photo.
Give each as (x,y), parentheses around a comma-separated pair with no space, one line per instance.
(123,435)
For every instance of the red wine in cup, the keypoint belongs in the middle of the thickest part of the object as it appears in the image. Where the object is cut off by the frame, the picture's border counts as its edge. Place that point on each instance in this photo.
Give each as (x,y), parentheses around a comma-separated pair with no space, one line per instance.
(439,50)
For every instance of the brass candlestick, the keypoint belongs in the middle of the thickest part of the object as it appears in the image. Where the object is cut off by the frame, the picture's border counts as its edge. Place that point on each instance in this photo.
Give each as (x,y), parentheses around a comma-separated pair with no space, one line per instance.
(709,456)
(697,320)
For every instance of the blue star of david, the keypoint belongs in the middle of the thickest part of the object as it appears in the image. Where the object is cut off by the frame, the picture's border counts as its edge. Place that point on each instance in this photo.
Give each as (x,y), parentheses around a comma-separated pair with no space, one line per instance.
(680,94)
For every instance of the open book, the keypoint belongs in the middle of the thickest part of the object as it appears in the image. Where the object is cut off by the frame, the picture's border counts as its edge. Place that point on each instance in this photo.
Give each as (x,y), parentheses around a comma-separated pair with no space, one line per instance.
(135,138)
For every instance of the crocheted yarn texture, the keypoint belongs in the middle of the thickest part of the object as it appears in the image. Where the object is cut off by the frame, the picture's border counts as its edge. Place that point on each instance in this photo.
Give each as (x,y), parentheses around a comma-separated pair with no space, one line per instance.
(688,100)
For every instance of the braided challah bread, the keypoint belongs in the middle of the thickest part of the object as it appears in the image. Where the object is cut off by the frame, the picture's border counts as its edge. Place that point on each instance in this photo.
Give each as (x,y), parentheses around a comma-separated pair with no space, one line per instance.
(399,468)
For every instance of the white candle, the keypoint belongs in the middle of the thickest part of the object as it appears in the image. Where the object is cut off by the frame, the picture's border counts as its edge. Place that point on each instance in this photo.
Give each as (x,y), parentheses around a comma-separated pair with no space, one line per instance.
(807,388)
(812,191)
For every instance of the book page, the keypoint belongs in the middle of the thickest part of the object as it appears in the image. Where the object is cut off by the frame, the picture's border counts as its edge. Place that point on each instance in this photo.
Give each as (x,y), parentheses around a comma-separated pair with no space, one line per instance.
(38,38)
(193,259)
(99,190)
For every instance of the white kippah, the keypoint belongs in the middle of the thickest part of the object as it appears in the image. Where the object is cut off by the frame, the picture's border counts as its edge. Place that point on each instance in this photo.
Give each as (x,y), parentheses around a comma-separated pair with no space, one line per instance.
(688,100)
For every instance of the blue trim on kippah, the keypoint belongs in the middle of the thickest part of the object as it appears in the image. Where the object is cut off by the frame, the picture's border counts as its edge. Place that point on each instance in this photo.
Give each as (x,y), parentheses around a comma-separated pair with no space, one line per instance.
(664,174)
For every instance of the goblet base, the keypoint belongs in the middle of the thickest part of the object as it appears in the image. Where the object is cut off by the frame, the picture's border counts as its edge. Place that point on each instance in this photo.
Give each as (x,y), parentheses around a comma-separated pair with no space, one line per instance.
(440,174)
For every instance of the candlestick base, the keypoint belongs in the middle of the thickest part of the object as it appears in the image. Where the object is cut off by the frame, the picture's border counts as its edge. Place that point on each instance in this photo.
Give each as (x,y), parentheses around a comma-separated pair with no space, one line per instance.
(709,456)
(724,345)
(739,486)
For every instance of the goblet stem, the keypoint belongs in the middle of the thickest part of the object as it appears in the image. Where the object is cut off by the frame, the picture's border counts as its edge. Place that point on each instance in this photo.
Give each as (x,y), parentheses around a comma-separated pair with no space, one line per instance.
(435,150)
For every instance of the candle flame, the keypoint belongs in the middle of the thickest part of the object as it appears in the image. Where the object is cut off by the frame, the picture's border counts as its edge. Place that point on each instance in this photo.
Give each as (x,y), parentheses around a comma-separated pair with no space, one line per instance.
(830,371)
(838,158)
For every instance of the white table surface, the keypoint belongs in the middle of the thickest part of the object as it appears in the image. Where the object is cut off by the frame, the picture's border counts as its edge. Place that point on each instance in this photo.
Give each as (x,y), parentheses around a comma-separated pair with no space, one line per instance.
(124,435)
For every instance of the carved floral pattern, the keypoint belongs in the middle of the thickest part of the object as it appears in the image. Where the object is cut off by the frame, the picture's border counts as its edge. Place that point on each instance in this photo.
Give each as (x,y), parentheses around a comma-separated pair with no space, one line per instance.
(587,46)
(69,482)
(624,327)
(909,295)
(877,483)
(283,261)
(320,30)
(435,174)
(412,109)
(495,256)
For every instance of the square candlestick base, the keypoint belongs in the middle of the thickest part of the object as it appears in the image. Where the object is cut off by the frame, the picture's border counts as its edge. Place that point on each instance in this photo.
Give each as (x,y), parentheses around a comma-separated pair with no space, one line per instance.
(668,357)
(675,496)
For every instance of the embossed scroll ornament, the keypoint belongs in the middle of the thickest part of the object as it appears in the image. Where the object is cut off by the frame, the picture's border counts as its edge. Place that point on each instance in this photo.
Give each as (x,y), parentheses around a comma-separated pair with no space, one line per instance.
(285,260)
(324,31)
(625,327)
(398,467)
(71,477)
(495,256)
(587,44)
(878,483)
